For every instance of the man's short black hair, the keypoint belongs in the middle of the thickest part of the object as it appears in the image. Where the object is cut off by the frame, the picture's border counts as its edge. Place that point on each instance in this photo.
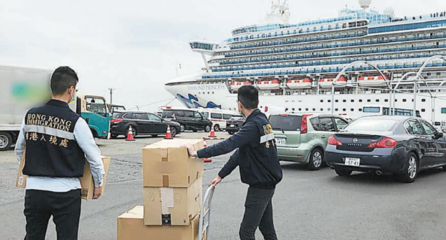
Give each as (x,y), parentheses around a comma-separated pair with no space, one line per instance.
(248,95)
(62,79)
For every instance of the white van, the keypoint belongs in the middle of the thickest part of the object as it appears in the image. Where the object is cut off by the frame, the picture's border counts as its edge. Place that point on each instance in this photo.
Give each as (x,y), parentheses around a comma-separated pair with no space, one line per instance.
(218,116)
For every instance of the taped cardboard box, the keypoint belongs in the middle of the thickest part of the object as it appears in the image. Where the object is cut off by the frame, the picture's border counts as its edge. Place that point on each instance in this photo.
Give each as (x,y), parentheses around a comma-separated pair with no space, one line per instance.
(87,183)
(21,178)
(172,206)
(131,227)
(167,164)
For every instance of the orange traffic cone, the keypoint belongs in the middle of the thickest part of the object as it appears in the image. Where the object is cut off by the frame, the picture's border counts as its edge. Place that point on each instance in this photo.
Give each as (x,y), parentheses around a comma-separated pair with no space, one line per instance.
(205,145)
(130,134)
(168,135)
(212,133)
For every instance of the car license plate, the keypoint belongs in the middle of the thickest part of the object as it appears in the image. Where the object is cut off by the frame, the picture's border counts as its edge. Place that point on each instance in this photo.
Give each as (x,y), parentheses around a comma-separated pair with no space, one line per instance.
(232,125)
(280,141)
(352,161)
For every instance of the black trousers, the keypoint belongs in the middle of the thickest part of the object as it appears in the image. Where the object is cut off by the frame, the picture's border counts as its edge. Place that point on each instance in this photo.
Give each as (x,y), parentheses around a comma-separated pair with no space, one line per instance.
(64,207)
(258,213)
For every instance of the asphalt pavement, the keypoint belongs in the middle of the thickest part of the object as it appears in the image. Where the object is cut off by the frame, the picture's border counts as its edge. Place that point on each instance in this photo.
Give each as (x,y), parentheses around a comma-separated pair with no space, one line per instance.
(307,204)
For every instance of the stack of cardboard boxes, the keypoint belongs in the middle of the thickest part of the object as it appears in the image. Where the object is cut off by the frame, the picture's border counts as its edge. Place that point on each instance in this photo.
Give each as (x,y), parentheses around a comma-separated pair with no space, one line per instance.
(172,194)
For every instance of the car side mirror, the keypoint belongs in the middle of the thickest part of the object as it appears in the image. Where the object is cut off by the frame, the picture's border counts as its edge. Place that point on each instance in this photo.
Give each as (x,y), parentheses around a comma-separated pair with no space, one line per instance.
(438,135)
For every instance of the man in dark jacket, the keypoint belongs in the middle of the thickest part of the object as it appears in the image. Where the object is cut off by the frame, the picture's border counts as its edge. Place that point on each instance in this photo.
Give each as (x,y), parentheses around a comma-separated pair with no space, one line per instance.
(257,160)
(57,142)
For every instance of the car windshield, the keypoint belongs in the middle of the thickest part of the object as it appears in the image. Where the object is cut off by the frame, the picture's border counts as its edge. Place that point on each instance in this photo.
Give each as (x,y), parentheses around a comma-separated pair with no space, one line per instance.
(371,124)
(286,123)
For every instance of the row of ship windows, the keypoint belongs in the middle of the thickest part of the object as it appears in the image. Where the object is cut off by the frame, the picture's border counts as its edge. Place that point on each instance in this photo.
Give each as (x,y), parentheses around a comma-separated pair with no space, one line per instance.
(370,100)
(403,27)
(276,26)
(295,31)
(308,38)
(321,70)
(343,110)
(334,61)
(349,43)
(334,53)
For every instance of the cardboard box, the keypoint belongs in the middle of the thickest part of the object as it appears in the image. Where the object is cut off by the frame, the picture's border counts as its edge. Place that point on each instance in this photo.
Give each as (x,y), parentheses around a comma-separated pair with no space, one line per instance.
(21,178)
(172,206)
(87,182)
(166,164)
(131,227)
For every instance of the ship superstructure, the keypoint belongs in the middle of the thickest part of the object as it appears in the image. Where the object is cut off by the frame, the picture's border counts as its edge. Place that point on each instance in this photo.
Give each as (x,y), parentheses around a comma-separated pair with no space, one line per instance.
(336,65)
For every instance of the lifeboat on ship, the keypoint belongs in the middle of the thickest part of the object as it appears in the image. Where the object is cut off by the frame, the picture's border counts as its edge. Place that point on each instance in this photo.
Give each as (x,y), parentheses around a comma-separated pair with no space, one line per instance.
(235,85)
(268,85)
(299,83)
(328,82)
(372,81)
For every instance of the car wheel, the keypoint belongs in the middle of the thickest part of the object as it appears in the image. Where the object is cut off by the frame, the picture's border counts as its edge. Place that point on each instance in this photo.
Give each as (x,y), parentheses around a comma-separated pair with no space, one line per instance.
(154,135)
(444,168)
(173,131)
(134,132)
(5,141)
(217,128)
(207,128)
(182,128)
(343,173)
(231,133)
(114,136)
(316,159)
(410,170)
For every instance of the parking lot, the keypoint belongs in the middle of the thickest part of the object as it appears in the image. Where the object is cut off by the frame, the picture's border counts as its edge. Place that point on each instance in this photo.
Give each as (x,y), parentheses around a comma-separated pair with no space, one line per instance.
(307,204)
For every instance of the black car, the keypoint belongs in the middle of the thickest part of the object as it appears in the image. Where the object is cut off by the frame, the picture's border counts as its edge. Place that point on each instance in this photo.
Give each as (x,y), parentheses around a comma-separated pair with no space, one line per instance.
(142,123)
(398,145)
(234,124)
(188,119)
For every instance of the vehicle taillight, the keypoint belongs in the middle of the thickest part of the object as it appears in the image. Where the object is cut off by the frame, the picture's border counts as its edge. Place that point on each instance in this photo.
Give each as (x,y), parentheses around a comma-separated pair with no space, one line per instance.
(116,120)
(303,124)
(333,141)
(384,143)
(266,108)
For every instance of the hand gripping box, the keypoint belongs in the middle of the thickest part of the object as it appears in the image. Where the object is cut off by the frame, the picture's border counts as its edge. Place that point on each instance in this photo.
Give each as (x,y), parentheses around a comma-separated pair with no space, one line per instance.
(167,164)
(87,183)
(131,227)
(172,206)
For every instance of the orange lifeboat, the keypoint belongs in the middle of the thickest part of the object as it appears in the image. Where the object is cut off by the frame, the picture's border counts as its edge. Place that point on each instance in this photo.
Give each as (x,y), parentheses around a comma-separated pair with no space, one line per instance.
(268,85)
(373,81)
(235,85)
(328,82)
(299,83)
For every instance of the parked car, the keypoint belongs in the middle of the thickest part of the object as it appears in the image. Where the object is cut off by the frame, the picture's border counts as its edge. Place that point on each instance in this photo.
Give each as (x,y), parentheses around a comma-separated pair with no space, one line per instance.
(234,124)
(302,138)
(142,123)
(398,145)
(189,119)
(218,117)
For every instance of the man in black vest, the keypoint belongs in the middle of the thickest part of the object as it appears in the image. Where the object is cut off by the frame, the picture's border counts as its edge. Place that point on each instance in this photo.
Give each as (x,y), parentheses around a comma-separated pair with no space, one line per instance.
(258,163)
(57,141)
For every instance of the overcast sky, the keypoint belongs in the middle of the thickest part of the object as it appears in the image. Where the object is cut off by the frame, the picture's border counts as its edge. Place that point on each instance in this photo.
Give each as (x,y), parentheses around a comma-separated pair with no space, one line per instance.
(136,46)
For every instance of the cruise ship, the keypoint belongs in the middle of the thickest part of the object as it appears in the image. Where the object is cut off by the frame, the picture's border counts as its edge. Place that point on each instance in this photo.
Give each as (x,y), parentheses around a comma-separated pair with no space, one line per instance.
(363,61)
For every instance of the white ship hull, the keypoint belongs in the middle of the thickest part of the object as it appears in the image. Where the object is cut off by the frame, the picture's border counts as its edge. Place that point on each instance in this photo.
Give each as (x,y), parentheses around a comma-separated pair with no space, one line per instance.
(346,104)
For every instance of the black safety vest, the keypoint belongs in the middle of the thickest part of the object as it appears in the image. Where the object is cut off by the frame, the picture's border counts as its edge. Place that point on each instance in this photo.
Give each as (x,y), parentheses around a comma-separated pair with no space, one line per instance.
(51,150)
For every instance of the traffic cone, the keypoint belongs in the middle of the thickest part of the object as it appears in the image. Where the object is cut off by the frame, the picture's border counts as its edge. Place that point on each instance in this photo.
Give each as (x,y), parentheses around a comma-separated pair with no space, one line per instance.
(205,145)
(212,133)
(168,135)
(130,134)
